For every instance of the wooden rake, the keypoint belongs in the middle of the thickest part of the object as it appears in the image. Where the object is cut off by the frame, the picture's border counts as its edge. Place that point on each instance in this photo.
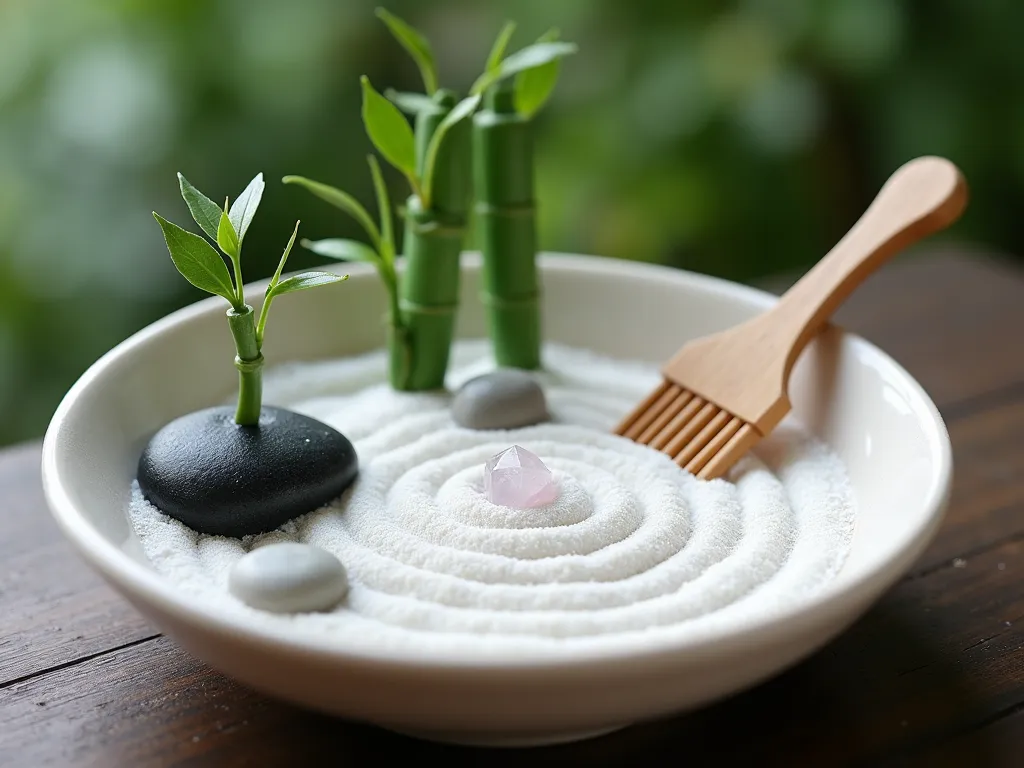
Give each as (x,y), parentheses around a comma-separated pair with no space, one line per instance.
(722,393)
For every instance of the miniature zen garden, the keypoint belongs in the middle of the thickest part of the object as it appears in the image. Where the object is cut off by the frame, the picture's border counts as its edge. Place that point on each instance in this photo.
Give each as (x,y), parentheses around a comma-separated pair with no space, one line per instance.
(453,491)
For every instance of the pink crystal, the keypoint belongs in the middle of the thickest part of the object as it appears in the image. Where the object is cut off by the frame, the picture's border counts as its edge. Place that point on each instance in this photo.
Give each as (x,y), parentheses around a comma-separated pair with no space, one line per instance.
(517,478)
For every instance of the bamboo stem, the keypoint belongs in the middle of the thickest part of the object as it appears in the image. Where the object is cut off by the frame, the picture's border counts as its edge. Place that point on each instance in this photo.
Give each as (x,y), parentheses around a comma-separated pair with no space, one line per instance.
(504,188)
(249,362)
(430,294)
(429,289)
(399,357)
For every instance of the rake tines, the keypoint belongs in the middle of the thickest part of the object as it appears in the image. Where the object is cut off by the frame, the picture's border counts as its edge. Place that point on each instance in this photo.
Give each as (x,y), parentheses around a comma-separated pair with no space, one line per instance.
(699,436)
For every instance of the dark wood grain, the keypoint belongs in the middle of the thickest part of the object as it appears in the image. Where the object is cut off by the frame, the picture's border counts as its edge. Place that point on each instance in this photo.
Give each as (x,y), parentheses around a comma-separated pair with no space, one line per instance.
(938,656)
(52,608)
(1000,742)
(988,488)
(933,675)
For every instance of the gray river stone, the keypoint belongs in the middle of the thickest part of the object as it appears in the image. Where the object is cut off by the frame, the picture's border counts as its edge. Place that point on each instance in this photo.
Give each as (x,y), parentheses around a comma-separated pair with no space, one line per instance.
(289,577)
(503,399)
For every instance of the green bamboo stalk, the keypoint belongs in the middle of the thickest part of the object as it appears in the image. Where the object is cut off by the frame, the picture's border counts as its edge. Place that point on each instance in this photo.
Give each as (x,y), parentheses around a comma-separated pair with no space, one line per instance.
(433,245)
(249,362)
(436,159)
(505,214)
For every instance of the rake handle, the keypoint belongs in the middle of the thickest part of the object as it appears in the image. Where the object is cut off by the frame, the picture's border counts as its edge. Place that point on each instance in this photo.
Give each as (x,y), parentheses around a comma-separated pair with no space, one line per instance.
(921,197)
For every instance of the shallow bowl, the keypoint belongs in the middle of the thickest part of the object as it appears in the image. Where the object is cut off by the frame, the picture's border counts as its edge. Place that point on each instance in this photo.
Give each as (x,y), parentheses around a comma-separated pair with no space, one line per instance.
(846,391)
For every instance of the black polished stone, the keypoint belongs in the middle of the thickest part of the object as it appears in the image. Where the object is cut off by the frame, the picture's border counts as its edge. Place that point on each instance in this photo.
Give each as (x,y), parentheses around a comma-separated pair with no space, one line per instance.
(219,478)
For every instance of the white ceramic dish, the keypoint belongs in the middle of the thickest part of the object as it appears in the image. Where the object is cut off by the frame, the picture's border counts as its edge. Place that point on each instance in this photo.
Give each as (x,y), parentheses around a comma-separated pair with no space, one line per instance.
(846,391)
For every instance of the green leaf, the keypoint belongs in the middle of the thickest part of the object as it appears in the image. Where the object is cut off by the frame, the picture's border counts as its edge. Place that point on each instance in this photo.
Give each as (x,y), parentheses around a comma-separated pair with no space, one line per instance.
(284,255)
(410,103)
(268,297)
(417,46)
(196,260)
(227,238)
(460,111)
(500,44)
(342,250)
(389,131)
(387,234)
(341,200)
(532,56)
(306,280)
(245,205)
(533,86)
(205,212)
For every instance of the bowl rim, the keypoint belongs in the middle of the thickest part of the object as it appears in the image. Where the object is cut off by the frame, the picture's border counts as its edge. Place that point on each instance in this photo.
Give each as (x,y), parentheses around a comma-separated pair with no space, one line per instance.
(136,582)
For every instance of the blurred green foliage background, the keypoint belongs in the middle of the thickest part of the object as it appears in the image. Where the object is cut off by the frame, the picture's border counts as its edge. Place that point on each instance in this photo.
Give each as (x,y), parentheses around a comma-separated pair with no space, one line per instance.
(735,138)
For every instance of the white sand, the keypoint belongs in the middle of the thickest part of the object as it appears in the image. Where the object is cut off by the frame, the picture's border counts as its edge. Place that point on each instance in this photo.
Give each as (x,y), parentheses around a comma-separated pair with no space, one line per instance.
(633,546)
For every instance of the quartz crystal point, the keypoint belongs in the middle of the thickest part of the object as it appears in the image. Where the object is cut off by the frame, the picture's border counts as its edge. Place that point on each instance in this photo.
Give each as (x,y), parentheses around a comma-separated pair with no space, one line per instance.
(517,478)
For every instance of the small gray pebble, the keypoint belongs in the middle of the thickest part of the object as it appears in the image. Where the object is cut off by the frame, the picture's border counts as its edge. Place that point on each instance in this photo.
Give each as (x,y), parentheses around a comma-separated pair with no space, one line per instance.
(503,399)
(289,578)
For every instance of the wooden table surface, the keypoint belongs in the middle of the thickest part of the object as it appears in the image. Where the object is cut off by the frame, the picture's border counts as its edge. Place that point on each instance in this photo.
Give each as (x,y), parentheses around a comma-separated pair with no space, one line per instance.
(932,675)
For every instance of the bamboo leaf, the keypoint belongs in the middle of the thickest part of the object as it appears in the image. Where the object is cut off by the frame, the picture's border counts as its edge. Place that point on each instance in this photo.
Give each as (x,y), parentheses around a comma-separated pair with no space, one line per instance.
(341,200)
(460,111)
(305,281)
(389,131)
(245,205)
(227,238)
(532,56)
(205,212)
(268,297)
(533,86)
(342,250)
(196,260)
(387,233)
(417,46)
(500,44)
(410,103)
(284,255)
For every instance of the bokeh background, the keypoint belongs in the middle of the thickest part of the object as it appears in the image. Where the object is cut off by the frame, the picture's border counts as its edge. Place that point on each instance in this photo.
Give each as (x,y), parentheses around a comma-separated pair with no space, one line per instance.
(734,138)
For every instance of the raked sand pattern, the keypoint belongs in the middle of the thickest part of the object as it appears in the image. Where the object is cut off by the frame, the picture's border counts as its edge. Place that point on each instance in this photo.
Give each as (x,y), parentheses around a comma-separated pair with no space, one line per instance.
(633,548)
